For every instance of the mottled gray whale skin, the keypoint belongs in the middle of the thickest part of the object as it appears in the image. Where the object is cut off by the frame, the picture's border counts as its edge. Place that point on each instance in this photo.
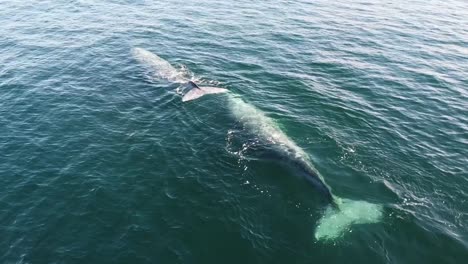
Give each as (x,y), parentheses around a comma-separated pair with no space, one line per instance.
(297,165)
(305,171)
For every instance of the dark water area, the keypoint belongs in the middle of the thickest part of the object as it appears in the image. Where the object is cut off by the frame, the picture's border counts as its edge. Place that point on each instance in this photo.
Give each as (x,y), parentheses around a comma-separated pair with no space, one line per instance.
(100,162)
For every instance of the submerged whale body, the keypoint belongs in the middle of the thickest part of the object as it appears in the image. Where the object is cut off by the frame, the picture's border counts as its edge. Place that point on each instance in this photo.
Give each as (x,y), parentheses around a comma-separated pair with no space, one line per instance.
(340,214)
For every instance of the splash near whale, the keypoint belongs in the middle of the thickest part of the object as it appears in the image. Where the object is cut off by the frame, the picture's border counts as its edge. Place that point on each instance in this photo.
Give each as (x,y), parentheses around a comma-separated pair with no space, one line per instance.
(340,215)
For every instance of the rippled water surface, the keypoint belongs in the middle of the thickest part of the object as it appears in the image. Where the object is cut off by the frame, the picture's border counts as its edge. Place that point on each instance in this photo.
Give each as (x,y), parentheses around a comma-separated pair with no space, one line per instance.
(101,162)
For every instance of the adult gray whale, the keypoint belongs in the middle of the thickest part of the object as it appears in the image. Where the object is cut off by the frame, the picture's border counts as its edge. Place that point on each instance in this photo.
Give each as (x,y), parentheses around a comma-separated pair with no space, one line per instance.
(341,213)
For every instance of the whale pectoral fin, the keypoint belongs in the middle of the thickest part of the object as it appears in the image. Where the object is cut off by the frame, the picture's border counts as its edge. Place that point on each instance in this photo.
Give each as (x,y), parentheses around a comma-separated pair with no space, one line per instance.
(200,91)
(193,94)
(213,90)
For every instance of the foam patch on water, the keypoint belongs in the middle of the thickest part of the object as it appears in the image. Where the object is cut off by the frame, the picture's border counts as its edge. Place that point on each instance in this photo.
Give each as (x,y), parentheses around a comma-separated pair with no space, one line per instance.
(338,220)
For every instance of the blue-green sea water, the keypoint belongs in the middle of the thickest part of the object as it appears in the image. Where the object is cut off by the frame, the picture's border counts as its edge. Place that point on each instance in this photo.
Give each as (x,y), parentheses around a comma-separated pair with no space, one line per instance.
(102,162)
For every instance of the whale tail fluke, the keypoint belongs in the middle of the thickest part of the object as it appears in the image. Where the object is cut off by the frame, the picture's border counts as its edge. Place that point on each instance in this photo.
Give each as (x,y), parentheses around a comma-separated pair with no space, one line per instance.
(199,91)
(338,218)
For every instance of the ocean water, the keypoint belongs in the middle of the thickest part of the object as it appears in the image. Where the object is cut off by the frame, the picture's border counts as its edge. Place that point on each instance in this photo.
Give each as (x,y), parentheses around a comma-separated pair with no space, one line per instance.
(102,162)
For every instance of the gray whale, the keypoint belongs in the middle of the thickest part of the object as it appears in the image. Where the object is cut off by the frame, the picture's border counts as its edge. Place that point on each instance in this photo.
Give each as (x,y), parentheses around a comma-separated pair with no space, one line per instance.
(341,213)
